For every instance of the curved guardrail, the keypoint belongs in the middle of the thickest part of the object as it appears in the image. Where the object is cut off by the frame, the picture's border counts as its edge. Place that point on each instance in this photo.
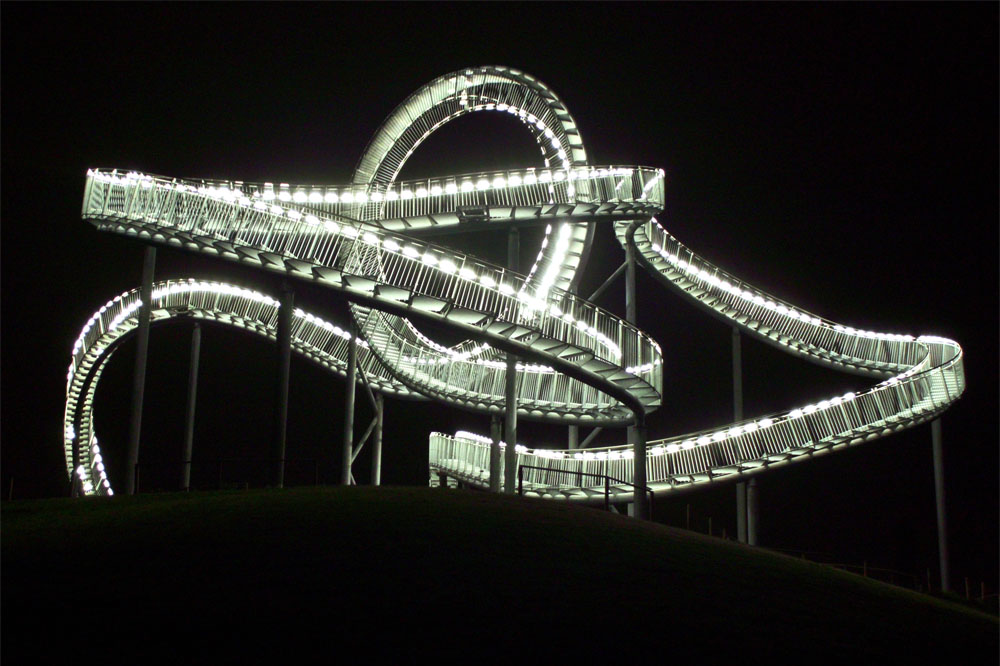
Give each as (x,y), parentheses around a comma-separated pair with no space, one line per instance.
(314,338)
(925,376)
(579,364)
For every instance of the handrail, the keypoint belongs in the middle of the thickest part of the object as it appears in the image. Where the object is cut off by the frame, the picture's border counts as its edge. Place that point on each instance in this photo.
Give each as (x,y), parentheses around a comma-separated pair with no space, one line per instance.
(580,474)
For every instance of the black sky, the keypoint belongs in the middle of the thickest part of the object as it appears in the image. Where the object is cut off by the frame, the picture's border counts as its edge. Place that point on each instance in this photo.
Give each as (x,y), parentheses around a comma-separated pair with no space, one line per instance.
(842,157)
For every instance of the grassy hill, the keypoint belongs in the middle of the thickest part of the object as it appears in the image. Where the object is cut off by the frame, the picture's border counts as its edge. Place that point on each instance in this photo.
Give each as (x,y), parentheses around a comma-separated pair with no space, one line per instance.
(391,570)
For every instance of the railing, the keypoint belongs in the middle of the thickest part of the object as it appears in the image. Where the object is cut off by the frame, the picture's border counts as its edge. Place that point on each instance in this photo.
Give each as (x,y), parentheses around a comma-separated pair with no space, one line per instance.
(313,337)
(578,476)
(879,353)
(359,256)
(639,187)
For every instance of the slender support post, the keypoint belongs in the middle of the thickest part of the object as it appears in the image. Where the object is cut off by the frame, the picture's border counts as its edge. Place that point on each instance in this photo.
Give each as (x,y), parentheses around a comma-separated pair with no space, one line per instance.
(284,340)
(574,437)
(139,375)
(590,438)
(495,437)
(377,442)
(942,527)
(637,432)
(192,398)
(510,427)
(352,376)
(607,283)
(741,487)
(640,500)
(510,392)
(752,512)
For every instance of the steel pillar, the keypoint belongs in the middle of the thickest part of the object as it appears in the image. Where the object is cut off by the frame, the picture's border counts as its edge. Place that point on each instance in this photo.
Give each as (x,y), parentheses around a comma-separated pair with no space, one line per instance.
(192,398)
(942,527)
(139,374)
(752,512)
(637,432)
(574,437)
(741,487)
(352,377)
(377,441)
(640,500)
(496,434)
(510,387)
(283,337)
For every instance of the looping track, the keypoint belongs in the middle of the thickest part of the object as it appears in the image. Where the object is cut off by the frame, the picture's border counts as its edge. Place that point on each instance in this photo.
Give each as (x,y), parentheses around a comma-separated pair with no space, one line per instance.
(580,364)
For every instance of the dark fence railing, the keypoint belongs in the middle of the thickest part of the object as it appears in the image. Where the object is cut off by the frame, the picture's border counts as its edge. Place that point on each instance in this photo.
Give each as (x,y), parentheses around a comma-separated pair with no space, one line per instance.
(578,478)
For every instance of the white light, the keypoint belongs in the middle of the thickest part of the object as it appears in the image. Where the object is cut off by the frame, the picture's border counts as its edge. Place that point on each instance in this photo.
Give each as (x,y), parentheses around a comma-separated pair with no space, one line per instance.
(483,184)
(429,259)
(315,197)
(467,273)
(331,197)
(530,179)
(411,251)
(370,238)
(300,197)
(467,186)
(514,180)
(451,188)
(421,192)
(361,197)
(487,281)
(499,182)
(447,266)
(435,190)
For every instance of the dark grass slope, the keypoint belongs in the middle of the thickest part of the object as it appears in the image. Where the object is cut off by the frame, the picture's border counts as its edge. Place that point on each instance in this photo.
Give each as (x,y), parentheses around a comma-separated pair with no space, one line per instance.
(393,570)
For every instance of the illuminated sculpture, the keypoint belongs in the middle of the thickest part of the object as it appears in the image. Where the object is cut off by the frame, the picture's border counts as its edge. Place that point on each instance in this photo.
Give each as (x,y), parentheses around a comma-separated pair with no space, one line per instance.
(576,363)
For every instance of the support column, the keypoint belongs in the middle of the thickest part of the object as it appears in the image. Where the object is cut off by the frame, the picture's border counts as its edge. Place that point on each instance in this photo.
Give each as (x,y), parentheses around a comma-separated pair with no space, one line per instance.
(637,432)
(741,487)
(574,437)
(352,376)
(510,388)
(510,428)
(192,398)
(495,437)
(942,527)
(377,442)
(640,500)
(752,512)
(284,340)
(139,375)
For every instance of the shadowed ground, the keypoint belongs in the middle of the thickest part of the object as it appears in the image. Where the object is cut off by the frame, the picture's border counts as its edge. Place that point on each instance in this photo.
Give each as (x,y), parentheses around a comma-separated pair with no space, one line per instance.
(387,570)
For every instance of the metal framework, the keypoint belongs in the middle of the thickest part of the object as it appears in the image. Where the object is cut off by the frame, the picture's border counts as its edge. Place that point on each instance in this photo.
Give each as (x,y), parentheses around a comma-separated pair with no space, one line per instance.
(575,363)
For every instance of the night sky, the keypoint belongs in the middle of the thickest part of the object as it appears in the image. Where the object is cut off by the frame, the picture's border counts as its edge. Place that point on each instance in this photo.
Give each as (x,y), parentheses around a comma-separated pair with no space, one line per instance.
(841,157)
